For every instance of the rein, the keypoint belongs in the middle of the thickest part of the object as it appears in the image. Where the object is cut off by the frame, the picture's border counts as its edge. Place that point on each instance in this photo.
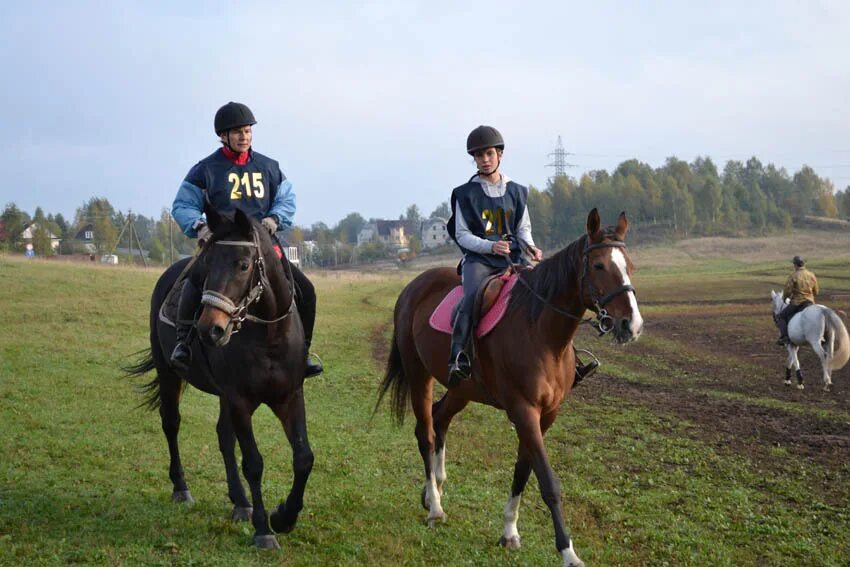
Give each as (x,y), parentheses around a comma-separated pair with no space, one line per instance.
(239,312)
(604,323)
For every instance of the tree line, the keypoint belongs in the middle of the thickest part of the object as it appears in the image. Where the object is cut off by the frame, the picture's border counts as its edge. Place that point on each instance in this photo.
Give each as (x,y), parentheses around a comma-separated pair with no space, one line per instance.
(679,199)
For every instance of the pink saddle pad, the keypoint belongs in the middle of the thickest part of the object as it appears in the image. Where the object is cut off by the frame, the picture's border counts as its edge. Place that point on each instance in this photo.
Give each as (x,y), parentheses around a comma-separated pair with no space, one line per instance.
(441,318)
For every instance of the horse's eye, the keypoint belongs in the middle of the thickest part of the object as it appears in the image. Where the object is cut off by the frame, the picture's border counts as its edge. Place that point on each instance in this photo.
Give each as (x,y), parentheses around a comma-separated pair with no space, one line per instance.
(244,266)
(599,266)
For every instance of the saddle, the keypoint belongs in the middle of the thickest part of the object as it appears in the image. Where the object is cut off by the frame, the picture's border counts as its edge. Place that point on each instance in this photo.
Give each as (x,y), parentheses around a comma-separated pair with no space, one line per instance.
(491,303)
(168,309)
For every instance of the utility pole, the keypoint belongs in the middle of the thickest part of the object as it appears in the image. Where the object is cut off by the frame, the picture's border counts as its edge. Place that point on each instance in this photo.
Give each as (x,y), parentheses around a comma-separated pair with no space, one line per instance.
(559,161)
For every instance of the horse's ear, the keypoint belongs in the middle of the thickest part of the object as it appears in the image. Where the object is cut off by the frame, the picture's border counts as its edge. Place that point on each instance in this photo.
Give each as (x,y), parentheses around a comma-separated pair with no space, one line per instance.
(243,223)
(213,218)
(622,226)
(593,222)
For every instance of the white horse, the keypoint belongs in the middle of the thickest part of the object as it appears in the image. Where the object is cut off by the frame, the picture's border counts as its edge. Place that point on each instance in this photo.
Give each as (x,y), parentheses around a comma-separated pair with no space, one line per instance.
(822,328)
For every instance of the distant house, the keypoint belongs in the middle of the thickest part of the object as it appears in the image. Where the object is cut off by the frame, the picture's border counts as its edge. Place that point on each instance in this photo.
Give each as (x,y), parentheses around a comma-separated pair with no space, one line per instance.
(86,236)
(434,232)
(29,232)
(393,233)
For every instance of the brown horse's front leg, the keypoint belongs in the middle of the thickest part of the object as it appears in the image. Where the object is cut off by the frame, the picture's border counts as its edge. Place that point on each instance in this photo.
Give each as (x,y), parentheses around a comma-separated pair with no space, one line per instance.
(528,427)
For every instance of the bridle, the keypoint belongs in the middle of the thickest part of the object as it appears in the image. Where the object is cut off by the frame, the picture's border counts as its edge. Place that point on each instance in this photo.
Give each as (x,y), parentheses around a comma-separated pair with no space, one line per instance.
(604,323)
(238,312)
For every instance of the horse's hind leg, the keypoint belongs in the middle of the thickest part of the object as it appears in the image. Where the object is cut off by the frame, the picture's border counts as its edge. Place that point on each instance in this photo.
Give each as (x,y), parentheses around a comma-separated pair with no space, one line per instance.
(170,389)
(442,412)
(252,467)
(294,420)
(227,445)
(421,396)
(824,362)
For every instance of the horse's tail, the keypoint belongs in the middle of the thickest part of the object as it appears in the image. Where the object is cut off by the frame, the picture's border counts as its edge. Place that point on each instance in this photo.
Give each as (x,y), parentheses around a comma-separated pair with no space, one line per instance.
(395,380)
(150,391)
(841,352)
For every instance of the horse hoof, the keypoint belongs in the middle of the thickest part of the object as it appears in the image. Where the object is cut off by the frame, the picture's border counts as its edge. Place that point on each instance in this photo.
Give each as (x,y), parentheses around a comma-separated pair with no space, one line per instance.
(241,514)
(827,388)
(432,520)
(510,542)
(183,496)
(800,386)
(266,542)
(280,523)
(787,382)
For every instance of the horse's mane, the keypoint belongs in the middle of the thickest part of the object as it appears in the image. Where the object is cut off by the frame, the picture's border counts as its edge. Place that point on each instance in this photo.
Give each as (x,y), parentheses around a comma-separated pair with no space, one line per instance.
(551,276)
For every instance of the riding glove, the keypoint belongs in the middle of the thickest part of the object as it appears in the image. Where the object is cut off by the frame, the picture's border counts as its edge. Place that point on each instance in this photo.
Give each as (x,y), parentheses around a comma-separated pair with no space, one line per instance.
(270,224)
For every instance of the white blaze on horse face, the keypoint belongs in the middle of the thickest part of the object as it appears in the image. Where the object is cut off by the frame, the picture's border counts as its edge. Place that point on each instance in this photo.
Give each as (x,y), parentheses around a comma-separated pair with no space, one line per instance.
(619,260)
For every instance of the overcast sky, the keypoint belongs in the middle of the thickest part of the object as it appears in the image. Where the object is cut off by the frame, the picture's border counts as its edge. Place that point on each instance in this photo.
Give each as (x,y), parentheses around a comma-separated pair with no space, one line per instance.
(367,105)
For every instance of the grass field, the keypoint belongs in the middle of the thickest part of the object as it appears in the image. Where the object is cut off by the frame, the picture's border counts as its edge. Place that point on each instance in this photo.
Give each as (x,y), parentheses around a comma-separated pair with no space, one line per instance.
(685,450)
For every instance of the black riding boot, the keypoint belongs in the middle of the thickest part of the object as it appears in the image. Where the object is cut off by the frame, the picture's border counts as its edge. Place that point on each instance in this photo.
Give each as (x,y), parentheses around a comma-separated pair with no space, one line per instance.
(460,367)
(585,370)
(313,368)
(783,331)
(190,299)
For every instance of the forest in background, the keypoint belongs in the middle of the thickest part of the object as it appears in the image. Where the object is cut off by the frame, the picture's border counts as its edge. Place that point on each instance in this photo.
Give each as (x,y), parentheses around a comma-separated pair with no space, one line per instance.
(678,199)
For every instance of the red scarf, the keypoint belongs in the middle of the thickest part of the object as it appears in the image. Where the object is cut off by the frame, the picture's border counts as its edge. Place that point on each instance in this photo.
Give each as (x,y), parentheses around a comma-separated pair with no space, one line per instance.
(238,159)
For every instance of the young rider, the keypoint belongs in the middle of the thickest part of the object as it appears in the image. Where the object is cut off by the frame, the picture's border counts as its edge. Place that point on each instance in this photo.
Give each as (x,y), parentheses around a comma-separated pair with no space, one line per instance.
(802,288)
(235,176)
(491,225)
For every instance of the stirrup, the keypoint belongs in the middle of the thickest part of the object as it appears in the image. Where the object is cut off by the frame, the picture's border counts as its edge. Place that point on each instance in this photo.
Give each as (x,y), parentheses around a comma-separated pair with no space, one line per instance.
(181,357)
(460,369)
(313,368)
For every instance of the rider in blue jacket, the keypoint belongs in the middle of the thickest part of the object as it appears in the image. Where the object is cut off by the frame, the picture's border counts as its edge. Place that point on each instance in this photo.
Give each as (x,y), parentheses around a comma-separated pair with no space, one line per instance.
(235,176)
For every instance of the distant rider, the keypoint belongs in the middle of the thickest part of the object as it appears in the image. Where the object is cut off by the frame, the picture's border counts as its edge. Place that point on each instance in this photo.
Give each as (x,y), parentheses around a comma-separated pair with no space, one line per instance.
(235,176)
(802,288)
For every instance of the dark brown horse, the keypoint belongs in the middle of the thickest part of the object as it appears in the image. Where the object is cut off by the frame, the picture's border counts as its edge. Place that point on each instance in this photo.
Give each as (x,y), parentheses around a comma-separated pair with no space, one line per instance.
(251,353)
(525,366)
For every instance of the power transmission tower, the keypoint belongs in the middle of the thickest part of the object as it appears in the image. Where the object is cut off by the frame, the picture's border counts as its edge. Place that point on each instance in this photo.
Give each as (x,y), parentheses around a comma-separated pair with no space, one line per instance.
(559,161)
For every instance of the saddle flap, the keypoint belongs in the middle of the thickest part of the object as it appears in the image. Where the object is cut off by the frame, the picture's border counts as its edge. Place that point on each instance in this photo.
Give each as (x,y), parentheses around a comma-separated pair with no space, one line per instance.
(168,309)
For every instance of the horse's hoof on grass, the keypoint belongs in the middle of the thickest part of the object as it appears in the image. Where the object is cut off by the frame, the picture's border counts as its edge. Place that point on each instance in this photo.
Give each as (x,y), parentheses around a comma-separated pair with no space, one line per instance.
(280,523)
(800,387)
(787,382)
(432,520)
(827,388)
(266,542)
(241,514)
(183,496)
(510,542)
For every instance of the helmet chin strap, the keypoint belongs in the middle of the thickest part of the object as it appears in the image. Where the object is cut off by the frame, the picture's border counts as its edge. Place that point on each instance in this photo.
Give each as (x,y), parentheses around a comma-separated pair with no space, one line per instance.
(229,147)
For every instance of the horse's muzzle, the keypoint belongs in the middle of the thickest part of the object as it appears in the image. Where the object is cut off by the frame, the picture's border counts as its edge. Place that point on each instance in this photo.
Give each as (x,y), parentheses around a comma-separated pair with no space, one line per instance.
(624,331)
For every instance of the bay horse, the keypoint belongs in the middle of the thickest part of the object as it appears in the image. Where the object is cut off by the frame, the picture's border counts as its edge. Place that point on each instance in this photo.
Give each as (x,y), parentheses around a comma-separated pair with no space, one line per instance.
(525,366)
(824,330)
(251,352)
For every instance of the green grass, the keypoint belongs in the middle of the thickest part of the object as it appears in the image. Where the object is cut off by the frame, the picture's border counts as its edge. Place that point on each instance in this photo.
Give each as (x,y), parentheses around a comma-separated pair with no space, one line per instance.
(83,474)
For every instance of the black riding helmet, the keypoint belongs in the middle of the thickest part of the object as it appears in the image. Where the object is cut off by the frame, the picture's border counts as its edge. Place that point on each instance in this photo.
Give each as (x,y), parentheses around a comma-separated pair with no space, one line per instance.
(482,138)
(233,115)
(798,261)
